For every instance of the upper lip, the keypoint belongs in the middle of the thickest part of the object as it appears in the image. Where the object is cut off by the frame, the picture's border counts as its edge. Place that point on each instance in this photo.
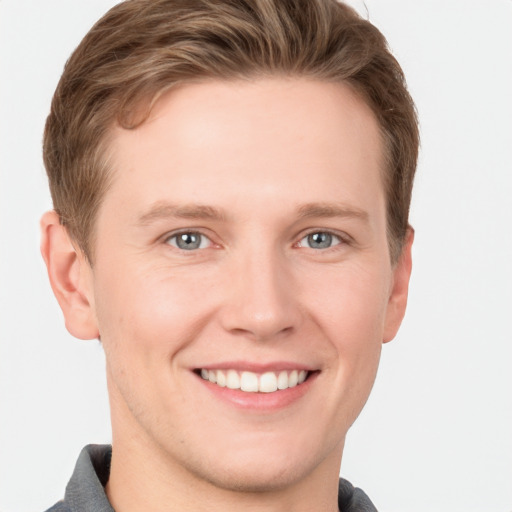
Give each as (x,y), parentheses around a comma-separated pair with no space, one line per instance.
(274,366)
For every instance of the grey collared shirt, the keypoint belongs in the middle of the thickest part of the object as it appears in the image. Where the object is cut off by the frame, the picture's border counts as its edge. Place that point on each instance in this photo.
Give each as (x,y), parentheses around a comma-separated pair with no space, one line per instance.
(85,491)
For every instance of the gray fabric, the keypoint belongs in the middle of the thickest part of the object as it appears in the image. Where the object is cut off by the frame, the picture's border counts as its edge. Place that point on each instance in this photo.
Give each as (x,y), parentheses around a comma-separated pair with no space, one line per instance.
(353,499)
(85,491)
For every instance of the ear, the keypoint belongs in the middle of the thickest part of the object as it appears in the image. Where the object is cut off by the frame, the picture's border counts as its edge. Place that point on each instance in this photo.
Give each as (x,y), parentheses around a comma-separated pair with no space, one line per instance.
(399,289)
(70,277)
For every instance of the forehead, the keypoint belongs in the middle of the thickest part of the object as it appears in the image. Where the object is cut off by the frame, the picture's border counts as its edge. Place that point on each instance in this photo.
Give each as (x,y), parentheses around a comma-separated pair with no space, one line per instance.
(256,138)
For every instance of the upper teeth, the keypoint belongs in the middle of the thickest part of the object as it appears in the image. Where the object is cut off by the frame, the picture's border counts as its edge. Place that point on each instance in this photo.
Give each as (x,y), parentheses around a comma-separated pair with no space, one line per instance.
(253,382)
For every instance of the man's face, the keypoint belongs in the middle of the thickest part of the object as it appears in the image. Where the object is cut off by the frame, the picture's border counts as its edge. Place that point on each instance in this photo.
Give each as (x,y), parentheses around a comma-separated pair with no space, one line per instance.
(243,240)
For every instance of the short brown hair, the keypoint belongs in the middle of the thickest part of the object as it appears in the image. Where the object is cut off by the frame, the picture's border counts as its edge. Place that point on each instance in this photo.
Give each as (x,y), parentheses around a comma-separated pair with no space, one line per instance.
(142,48)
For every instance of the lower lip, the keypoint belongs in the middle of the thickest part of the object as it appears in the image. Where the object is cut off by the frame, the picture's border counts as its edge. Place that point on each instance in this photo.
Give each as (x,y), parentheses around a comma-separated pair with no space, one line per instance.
(260,401)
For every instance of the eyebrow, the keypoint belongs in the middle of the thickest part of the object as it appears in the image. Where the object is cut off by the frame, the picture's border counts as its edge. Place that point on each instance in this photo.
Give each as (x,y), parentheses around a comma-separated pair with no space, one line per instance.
(164,210)
(329,210)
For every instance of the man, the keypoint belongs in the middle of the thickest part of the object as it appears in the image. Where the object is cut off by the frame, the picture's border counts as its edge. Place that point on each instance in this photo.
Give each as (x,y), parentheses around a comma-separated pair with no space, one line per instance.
(231,183)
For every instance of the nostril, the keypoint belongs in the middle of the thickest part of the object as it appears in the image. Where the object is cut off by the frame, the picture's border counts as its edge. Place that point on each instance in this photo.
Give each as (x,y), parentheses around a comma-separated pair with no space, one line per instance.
(261,332)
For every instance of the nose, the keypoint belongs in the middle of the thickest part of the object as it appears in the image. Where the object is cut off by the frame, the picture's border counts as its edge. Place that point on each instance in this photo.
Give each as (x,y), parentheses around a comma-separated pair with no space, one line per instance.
(261,303)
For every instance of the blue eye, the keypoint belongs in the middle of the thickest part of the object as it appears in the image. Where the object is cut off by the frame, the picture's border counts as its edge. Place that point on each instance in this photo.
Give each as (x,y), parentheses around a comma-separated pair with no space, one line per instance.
(320,240)
(189,241)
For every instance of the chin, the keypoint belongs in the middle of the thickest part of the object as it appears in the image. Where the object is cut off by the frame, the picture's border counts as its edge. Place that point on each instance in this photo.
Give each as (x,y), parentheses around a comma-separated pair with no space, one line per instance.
(264,469)
(252,479)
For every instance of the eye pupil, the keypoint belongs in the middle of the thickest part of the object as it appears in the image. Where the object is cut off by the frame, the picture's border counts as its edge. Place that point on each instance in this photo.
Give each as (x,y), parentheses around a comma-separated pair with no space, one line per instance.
(320,240)
(188,241)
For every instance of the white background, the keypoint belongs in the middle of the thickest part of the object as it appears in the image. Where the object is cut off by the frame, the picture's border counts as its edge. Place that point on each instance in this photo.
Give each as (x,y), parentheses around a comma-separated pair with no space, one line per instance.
(436,434)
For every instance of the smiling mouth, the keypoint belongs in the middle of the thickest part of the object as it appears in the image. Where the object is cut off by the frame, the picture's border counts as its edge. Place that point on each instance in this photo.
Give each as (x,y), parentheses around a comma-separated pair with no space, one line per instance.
(251,382)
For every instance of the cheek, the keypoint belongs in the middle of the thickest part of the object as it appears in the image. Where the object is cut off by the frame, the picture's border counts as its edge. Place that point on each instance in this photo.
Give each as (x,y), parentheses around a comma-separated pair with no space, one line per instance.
(145,318)
(353,304)
(152,312)
(352,314)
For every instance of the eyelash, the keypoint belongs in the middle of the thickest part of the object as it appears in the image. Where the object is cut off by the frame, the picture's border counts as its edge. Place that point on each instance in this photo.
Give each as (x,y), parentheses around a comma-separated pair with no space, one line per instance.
(342,239)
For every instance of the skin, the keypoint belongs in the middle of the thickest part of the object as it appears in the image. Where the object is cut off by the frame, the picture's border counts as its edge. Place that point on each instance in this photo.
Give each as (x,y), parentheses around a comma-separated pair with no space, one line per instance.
(273,161)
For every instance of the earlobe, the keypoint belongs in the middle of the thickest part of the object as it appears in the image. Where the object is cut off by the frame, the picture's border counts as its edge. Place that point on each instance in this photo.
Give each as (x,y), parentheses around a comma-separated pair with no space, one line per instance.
(67,268)
(400,287)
